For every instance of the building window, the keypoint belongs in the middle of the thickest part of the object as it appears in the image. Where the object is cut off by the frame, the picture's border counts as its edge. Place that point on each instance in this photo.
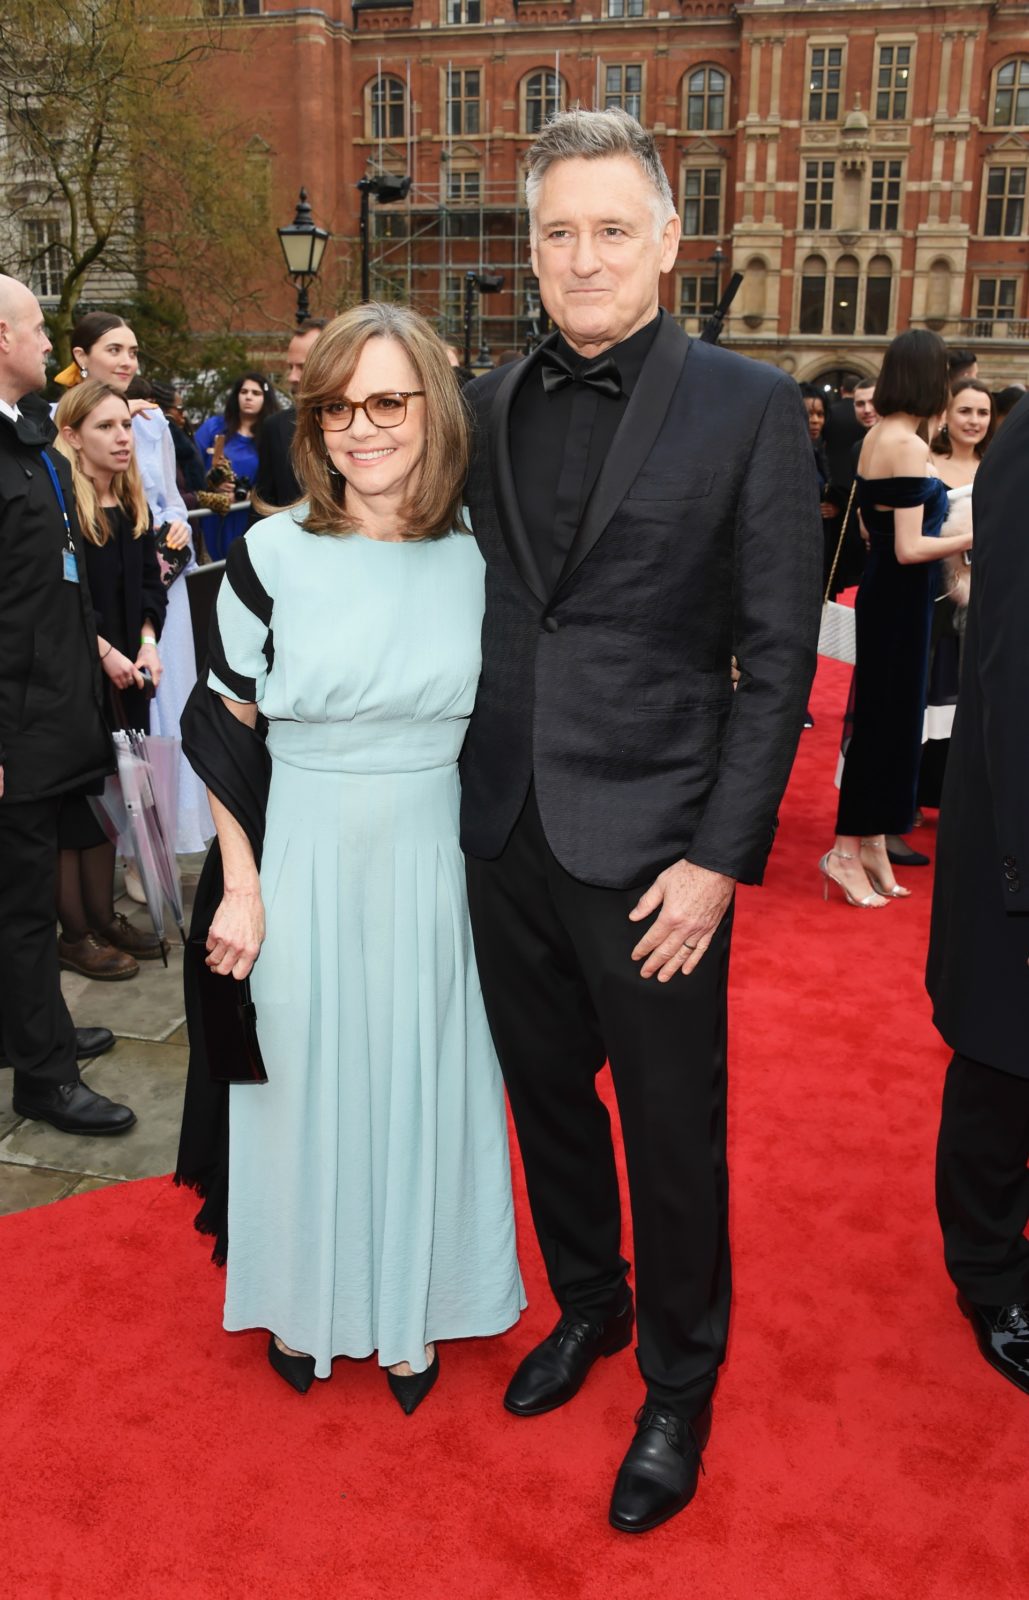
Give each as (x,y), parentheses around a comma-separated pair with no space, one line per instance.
(705,100)
(543,96)
(463,11)
(390,222)
(884,203)
(893,79)
(623,8)
(232,8)
(996,300)
(1011,95)
(1004,202)
(43,252)
(819,178)
(464,186)
(824,80)
(453,304)
(844,295)
(463,90)
(698,295)
(702,202)
(812,295)
(387,105)
(878,292)
(623,86)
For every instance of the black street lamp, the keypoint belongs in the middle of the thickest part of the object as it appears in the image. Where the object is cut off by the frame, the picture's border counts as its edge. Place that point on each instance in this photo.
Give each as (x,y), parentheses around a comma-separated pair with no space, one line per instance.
(717,258)
(483,283)
(387,189)
(303,246)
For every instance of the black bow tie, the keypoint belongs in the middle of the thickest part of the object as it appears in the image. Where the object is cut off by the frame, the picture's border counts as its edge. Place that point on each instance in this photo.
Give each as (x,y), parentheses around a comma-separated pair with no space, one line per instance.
(601,373)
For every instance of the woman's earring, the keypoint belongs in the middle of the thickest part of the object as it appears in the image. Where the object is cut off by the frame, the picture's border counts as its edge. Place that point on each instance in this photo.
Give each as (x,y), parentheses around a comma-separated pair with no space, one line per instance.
(83,373)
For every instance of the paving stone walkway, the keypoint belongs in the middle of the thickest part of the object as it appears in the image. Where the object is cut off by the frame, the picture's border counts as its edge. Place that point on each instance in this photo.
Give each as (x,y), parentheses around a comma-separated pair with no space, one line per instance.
(146,1069)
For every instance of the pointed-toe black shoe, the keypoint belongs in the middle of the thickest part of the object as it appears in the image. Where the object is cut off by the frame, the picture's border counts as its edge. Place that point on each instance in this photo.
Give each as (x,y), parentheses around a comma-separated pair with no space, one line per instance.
(298,1371)
(658,1477)
(1002,1333)
(410,1392)
(557,1369)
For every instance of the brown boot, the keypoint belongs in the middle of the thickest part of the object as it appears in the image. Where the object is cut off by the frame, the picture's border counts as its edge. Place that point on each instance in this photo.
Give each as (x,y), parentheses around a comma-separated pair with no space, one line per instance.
(122,934)
(95,958)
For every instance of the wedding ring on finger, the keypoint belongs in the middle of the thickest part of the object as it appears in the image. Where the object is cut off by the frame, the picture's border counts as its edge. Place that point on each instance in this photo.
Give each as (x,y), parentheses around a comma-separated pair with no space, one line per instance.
(688,946)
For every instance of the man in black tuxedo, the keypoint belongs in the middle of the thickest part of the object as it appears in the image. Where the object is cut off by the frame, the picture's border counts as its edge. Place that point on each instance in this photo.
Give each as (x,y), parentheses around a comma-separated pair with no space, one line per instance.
(978,975)
(647,511)
(275,483)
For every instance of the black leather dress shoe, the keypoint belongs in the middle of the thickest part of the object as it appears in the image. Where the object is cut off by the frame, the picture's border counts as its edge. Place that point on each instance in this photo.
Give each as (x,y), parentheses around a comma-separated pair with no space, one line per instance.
(557,1368)
(92,1042)
(659,1474)
(1002,1333)
(73,1108)
(904,856)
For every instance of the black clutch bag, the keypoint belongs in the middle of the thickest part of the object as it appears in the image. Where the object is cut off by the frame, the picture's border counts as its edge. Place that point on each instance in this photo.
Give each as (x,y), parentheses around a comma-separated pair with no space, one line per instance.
(172,563)
(228,1018)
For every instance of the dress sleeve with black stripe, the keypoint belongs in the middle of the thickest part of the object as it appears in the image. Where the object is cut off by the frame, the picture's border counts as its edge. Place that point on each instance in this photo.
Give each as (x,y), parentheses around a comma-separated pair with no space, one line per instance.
(240,648)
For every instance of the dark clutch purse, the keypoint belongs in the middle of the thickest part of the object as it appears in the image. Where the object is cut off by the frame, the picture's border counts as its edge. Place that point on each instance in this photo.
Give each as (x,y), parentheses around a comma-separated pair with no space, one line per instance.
(172,563)
(228,1017)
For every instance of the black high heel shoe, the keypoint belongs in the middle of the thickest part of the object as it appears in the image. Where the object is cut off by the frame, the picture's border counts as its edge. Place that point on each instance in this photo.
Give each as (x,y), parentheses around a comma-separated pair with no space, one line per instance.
(410,1392)
(297,1370)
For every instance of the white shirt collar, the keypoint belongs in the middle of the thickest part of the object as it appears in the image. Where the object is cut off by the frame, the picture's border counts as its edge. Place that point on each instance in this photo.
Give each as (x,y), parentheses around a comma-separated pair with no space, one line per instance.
(10,411)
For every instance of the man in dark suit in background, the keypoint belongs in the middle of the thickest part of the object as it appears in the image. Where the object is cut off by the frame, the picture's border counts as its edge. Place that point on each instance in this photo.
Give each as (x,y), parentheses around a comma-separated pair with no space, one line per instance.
(53,739)
(276,483)
(647,511)
(977,974)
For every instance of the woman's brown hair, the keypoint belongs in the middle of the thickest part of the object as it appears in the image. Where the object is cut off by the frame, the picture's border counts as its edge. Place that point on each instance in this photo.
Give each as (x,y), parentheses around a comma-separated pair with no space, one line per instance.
(941,445)
(127,486)
(434,508)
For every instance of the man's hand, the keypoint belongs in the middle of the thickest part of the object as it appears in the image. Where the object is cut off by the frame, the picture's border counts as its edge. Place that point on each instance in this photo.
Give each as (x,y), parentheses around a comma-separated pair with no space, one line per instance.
(693,902)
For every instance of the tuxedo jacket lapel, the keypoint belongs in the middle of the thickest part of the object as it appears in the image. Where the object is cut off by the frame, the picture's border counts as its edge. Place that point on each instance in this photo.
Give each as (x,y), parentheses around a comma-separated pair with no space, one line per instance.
(508,510)
(634,440)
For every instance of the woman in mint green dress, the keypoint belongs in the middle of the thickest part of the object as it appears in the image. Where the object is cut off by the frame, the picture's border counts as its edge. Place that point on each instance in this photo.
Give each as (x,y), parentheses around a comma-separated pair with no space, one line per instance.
(369,1184)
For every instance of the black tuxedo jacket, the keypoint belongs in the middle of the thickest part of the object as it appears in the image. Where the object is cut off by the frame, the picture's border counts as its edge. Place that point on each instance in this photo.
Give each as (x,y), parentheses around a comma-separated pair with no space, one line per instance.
(979,946)
(701,540)
(276,482)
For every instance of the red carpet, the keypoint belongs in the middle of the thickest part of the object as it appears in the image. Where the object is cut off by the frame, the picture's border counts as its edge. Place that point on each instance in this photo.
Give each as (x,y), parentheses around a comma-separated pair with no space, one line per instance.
(861,1447)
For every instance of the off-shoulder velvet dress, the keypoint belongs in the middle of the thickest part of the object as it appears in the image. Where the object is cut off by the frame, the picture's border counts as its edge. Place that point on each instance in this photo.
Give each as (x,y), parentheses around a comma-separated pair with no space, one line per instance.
(369,1186)
(894,620)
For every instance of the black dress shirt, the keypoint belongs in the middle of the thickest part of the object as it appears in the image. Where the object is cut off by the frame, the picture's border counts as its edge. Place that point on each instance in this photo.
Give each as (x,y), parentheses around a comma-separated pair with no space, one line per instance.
(559,442)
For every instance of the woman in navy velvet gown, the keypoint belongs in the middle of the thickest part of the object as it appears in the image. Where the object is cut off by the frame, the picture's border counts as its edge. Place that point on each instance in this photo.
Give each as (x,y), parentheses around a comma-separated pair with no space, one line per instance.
(903,506)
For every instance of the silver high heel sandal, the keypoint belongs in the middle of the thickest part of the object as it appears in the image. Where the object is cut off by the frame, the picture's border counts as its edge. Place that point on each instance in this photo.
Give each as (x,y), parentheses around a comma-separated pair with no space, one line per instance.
(871,902)
(897,892)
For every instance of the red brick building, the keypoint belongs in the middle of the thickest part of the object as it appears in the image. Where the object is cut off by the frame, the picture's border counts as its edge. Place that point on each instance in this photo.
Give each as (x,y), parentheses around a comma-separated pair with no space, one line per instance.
(864,165)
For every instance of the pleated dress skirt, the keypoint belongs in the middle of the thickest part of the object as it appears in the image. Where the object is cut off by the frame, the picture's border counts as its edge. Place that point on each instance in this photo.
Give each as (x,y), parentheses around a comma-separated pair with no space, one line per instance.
(369,1199)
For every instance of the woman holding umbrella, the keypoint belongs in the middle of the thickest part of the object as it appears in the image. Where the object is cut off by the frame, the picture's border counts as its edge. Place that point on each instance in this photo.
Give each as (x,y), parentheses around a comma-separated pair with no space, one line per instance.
(95,433)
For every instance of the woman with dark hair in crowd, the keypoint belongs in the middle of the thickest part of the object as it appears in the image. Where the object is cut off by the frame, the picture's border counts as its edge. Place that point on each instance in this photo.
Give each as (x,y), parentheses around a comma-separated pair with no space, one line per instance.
(95,433)
(957,449)
(814,405)
(903,506)
(105,347)
(251,401)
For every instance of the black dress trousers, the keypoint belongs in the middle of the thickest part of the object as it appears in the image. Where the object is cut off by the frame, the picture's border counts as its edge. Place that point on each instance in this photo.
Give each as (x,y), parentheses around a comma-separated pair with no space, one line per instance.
(38,1035)
(982,1182)
(562,995)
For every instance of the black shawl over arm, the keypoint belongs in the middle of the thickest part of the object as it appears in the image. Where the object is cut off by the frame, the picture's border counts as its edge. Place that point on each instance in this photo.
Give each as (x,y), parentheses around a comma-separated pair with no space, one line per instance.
(233,761)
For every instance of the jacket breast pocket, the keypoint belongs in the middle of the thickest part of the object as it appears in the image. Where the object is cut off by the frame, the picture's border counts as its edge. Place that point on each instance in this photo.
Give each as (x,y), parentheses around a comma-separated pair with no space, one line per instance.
(663,489)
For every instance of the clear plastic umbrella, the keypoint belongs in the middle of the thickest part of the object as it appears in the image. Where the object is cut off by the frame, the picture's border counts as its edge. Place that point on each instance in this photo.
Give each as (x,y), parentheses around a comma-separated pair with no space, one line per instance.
(140,804)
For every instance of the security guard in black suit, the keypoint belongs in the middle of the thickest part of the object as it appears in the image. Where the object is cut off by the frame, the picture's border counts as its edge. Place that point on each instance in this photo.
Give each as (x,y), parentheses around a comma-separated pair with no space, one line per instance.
(53,741)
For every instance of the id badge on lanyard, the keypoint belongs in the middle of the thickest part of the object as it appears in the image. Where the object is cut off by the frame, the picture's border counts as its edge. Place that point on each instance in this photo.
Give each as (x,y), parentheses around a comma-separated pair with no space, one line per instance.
(70,565)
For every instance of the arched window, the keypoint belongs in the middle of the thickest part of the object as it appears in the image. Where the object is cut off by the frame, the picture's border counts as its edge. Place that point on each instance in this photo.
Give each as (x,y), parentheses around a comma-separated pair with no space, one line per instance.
(706,94)
(844,295)
(937,299)
(543,93)
(387,108)
(878,291)
(1011,95)
(812,295)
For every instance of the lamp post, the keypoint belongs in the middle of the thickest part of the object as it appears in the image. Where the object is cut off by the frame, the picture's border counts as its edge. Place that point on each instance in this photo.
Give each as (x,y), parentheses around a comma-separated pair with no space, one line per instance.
(303,246)
(481,283)
(717,258)
(387,189)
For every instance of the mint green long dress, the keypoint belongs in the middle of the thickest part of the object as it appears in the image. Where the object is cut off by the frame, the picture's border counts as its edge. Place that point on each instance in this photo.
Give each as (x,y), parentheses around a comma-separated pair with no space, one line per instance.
(369,1184)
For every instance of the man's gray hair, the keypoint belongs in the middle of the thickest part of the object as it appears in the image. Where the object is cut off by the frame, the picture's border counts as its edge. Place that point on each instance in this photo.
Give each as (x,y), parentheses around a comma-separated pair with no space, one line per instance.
(588,136)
